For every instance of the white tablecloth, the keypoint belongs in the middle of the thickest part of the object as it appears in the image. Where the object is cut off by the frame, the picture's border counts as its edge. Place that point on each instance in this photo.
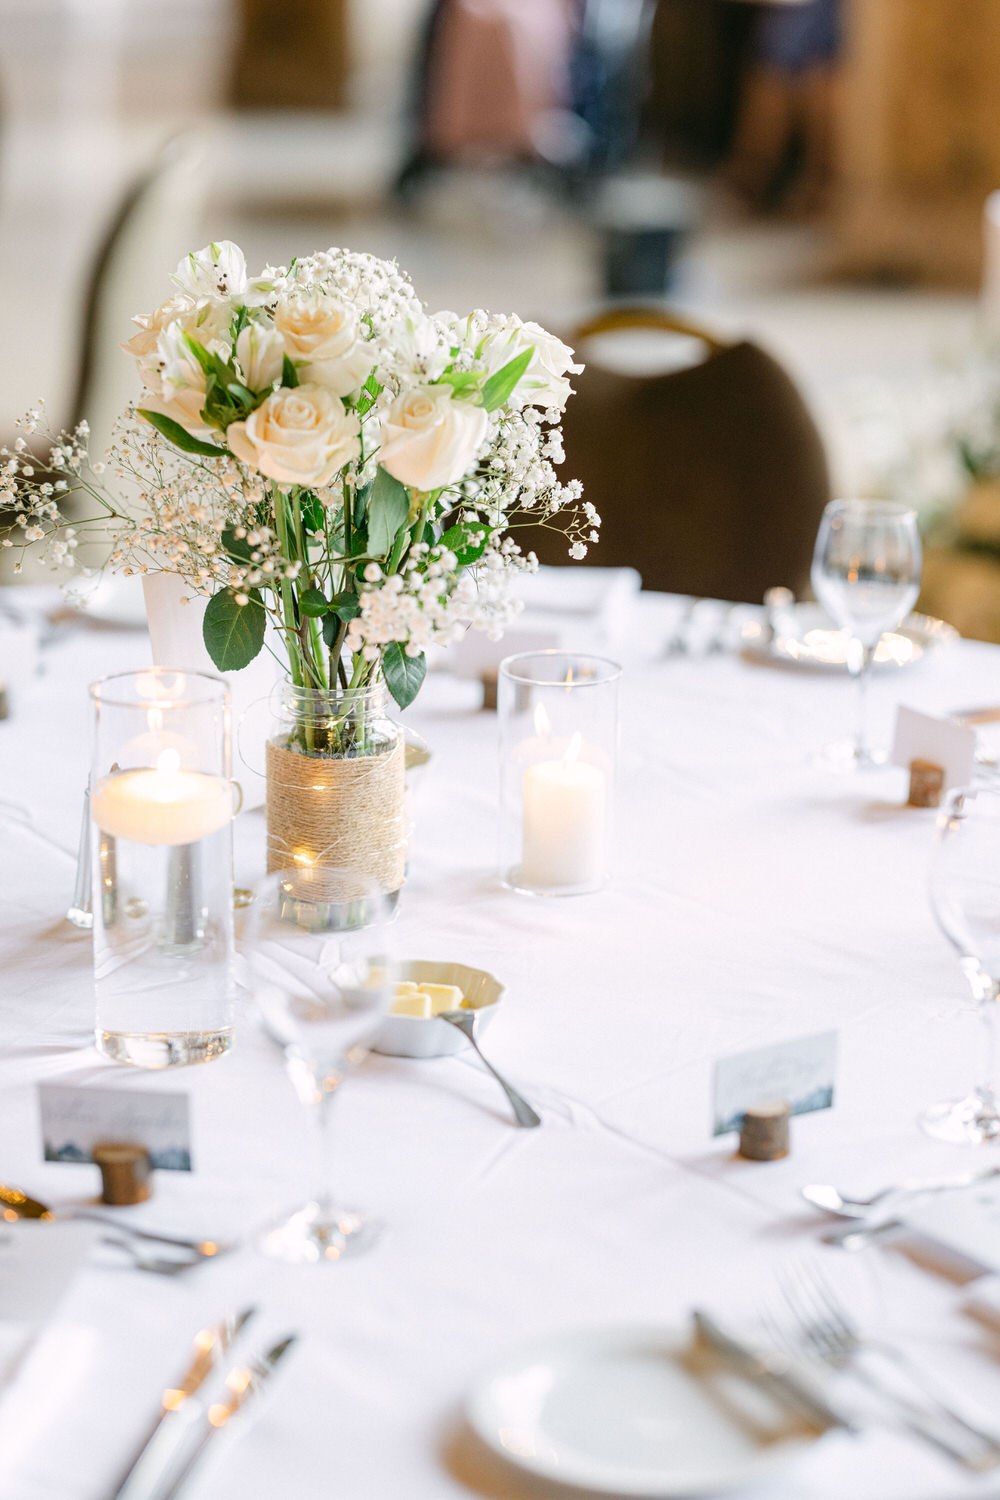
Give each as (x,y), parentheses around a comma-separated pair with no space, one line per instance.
(756,899)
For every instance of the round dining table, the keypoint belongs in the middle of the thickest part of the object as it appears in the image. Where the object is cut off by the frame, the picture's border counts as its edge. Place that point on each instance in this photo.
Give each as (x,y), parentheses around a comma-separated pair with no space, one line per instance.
(756,898)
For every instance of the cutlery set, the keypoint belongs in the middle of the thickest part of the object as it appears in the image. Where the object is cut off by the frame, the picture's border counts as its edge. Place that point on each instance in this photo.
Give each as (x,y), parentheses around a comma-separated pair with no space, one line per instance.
(189,1420)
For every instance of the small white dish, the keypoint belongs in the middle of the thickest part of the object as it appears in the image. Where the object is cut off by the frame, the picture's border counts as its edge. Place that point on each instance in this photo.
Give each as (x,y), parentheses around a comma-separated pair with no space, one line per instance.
(417,1036)
(807,637)
(633,1411)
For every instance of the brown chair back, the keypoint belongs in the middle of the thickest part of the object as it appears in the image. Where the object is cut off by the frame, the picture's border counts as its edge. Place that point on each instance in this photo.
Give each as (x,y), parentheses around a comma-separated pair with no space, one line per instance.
(710,480)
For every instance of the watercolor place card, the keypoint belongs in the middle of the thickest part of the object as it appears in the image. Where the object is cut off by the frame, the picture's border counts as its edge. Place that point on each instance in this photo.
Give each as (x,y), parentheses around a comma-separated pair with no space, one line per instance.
(76,1119)
(800,1071)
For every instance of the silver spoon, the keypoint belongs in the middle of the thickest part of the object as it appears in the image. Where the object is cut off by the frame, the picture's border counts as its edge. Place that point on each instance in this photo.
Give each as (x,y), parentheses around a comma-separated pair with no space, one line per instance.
(824,1195)
(17,1205)
(465,1022)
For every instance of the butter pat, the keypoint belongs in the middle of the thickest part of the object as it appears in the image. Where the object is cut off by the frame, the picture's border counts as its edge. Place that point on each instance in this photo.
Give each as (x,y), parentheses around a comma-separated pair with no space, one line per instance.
(411,1003)
(442,997)
(425,1000)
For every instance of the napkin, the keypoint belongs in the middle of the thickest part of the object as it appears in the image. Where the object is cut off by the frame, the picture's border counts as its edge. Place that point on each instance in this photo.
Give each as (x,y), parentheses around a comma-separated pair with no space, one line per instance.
(966,1221)
(38,1260)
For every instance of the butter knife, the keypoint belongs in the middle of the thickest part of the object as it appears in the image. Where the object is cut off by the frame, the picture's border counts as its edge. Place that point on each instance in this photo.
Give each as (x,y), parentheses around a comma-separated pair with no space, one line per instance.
(774,1371)
(242,1383)
(210,1345)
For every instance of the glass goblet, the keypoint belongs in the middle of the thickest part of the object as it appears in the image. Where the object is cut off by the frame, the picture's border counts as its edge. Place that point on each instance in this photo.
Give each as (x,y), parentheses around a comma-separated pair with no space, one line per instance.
(866,574)
(320,990)
(965,899)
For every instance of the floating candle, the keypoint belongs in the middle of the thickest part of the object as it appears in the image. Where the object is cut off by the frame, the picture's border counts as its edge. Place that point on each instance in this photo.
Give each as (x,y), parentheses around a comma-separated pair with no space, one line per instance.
(162,806)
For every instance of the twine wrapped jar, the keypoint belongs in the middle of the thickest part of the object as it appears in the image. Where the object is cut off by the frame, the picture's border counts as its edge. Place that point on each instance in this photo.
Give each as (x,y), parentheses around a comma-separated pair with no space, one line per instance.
(335,788)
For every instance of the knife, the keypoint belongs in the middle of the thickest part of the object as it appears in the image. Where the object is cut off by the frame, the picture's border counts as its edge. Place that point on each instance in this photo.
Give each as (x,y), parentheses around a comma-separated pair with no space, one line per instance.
(242,1383)
(774,1371)
(209,1346)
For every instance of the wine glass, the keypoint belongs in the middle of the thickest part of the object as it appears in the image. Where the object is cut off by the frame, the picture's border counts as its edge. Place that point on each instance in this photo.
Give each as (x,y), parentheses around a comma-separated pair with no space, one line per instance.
(965,899)
(321,988)
(866,575)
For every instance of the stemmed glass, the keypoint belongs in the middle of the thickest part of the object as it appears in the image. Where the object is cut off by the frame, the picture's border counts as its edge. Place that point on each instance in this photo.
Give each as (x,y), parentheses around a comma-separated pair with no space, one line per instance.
(866,575)
(965,899)
(320,989)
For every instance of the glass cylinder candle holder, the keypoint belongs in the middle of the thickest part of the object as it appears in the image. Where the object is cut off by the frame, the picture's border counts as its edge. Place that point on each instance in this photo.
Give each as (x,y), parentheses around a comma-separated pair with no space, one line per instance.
(558,714)
(162,804)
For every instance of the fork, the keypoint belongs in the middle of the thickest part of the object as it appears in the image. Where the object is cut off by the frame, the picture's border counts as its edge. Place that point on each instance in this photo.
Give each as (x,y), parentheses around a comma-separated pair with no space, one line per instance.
(144,1261)
(829,1335)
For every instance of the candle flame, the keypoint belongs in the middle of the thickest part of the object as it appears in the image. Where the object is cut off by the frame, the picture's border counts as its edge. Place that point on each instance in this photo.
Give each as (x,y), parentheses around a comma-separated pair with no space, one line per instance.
(154,720)
(572,750)
(168,763)
(543,724)
(568,679)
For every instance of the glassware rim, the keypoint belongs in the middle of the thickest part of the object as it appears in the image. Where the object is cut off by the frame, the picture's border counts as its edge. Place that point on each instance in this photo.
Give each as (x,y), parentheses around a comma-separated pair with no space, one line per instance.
(989,806)
(872,507)
(613,669)
(374,692)
(219,697)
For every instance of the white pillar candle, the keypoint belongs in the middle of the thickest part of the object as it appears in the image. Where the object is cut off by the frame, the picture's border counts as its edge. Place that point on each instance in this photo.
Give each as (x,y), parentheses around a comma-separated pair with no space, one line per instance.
(162,806)
(563,823)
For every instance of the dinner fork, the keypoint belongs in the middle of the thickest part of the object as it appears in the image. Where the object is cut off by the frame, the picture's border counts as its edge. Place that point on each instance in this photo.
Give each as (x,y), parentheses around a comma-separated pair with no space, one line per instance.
(160,1265)
(829,1334)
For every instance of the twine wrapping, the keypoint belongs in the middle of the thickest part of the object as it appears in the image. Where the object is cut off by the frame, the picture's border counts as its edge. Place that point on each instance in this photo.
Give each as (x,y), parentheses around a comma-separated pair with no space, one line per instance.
(343,811)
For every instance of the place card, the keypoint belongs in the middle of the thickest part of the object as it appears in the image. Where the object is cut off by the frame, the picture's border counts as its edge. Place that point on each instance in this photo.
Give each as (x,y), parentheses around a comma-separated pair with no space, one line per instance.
(76,1119)
(943,742)
(800,1071)
(966,1221)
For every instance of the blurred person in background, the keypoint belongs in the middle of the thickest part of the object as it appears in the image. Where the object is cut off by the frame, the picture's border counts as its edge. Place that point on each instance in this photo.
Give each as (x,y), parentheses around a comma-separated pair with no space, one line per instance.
(783,146)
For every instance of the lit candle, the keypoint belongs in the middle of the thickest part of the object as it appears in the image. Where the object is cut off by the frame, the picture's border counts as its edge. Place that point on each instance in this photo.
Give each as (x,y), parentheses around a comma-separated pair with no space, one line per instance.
(563,822)
(162,806)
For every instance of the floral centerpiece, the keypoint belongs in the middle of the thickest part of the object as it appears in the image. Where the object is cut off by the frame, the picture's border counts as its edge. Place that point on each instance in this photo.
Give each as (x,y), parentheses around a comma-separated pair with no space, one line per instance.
(316,451)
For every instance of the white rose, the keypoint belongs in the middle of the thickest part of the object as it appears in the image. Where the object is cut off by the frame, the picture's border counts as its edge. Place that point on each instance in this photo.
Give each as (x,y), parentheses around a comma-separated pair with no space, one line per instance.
(260,350)
(142,345)
(220,270)
(298,436)
(429,439)
(544,382)
(321,335)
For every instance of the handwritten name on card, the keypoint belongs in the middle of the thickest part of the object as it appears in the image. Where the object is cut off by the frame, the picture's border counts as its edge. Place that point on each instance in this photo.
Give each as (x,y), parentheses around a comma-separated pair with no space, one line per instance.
(75,1119)
(801,1071)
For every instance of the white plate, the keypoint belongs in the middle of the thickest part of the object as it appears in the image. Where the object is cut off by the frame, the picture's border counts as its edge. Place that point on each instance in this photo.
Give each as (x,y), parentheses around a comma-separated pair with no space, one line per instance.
(808,638)
(632,1412)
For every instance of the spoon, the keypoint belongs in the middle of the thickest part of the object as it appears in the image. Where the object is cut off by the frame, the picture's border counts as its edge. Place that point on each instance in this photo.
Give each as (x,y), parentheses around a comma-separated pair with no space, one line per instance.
(17,1205)
(824,1195)
(465,1022)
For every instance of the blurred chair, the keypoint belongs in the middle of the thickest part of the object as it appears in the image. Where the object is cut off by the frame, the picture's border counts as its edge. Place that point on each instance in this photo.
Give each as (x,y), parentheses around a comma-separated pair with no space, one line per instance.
(158,221)
(710,479)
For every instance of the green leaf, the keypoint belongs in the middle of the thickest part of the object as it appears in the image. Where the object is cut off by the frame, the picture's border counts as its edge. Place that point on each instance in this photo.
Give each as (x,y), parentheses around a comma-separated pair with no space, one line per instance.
(240,320)
(180,437)
(312,512)
(388,510)
(457,540)
(234,633)
(403,674)
(237,547)
(313,602)
(500,386)
(345,605)
(331,628)
(242,394)
(361,499)
(458,379)
(289,374)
